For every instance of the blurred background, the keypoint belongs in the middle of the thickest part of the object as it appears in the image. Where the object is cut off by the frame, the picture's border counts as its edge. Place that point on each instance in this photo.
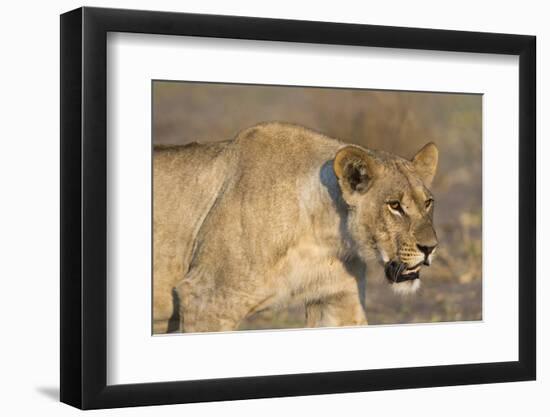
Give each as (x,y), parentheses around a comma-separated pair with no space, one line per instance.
(394,121)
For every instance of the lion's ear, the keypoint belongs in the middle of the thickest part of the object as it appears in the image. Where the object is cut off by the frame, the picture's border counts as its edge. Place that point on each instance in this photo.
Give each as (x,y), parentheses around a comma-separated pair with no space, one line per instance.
(355,169)
(425,162)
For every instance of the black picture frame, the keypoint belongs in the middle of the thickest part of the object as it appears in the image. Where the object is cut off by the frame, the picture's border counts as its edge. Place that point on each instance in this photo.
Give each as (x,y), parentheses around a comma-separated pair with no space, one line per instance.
(84,207)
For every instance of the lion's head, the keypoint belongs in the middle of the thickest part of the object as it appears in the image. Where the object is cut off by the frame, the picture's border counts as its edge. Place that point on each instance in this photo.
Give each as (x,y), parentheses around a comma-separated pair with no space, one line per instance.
(390,209)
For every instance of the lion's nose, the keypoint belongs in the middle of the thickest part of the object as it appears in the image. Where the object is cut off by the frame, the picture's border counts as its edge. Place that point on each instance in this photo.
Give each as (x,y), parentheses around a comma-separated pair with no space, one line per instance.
(426,250)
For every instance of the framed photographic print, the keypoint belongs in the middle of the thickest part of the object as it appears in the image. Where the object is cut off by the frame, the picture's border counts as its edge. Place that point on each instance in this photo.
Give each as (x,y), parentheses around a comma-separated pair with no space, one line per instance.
(258,207)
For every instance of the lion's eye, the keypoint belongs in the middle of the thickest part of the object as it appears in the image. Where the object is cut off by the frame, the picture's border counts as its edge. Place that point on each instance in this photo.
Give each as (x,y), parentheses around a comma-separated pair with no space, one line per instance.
(395,205)
(429,202)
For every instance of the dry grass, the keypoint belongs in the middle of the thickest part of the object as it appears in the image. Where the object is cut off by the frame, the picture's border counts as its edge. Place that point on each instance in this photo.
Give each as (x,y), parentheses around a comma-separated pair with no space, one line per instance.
(399,122)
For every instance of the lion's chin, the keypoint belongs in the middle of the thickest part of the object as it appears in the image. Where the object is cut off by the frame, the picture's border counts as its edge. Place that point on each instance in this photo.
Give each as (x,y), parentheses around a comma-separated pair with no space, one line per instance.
(403,280)
(406,287)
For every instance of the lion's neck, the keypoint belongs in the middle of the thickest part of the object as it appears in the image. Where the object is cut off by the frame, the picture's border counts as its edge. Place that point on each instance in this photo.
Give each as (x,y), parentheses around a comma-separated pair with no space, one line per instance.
(326,214)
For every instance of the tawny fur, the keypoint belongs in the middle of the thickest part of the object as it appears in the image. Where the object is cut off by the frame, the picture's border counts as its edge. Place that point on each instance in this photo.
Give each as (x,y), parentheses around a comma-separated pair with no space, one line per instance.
(252,223)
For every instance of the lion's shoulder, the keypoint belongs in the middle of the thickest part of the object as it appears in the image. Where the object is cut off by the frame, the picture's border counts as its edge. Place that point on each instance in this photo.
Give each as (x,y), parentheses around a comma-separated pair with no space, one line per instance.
(284,148)
(282,133)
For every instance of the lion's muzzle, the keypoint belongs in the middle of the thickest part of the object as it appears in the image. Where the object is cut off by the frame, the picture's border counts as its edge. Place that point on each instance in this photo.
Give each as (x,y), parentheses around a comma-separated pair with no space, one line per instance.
(397,272)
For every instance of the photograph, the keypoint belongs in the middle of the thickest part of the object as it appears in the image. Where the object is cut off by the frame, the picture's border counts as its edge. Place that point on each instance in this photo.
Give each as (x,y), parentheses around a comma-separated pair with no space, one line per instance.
(268,205)
(284,207)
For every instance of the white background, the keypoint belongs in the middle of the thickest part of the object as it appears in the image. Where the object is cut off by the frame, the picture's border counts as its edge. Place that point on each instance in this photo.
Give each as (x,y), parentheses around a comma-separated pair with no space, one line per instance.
(29,214)
(133,60)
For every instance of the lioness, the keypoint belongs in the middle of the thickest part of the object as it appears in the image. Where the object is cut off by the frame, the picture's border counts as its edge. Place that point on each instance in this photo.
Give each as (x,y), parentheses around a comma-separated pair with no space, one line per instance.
(279,213)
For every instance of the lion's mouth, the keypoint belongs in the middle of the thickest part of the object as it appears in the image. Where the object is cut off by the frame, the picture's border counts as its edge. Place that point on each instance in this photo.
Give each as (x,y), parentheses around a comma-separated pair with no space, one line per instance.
(397,272)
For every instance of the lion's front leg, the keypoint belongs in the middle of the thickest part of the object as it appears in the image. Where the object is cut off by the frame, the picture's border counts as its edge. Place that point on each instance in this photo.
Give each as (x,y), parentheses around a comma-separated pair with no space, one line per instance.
(344,303)
(343,309)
